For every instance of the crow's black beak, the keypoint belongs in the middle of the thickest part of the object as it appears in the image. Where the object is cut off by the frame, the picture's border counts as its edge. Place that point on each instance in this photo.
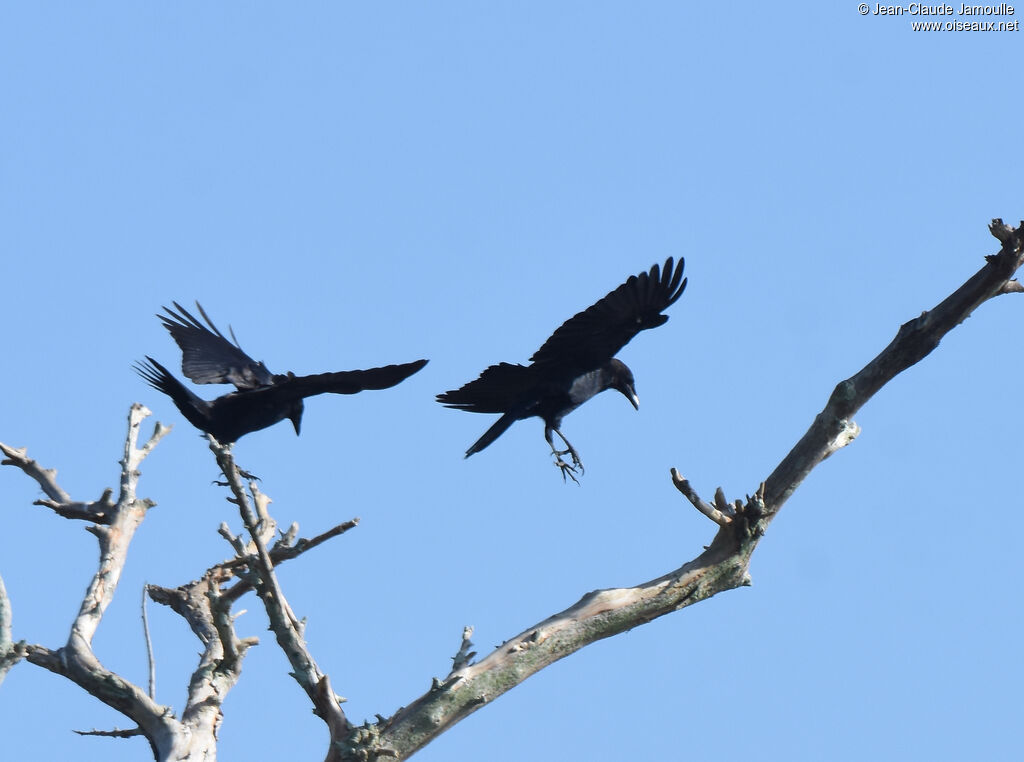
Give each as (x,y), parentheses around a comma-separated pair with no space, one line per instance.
(630,393)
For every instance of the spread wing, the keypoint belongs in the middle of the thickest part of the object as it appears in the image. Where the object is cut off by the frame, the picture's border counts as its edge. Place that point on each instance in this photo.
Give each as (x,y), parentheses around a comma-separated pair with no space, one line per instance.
(499,389)
(207,357)
(592,337)
(345,381)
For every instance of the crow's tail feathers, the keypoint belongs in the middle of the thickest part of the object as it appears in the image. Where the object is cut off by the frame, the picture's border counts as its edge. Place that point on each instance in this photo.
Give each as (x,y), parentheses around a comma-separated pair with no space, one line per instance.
(161,379)
(157,376)
(499,428)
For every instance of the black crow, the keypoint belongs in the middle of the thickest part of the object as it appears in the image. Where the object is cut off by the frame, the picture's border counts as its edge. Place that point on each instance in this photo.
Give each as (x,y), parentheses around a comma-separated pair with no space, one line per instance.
(573,365)
(261,398)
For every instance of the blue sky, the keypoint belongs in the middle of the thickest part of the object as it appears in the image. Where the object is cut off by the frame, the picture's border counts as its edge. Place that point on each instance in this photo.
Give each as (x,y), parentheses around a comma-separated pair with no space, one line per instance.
(357,184)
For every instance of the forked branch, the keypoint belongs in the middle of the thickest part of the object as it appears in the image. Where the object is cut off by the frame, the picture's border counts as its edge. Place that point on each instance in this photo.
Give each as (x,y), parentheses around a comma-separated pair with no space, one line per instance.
(114,524)
(10,652)
(286,627)
(722,566)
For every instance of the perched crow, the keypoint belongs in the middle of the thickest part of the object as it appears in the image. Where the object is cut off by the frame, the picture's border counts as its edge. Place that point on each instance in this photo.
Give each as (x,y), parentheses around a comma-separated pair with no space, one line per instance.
(573,365)
(261,398)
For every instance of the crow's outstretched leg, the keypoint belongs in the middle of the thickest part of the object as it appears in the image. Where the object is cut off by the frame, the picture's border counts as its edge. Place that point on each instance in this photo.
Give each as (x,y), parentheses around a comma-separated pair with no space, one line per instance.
(566,469)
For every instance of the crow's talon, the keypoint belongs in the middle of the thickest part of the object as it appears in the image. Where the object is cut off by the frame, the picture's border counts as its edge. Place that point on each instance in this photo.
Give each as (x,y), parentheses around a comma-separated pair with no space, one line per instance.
(576,462)
(567,470)
(249,477)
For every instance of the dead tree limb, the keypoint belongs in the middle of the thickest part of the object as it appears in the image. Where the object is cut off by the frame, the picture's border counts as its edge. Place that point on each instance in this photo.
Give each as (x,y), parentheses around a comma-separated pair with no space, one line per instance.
(10,652)
(114,524)
(722,566)
(205,604)
(286,627)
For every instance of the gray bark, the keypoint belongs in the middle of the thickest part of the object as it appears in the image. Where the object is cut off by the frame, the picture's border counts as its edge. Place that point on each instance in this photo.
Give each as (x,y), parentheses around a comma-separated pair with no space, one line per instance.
(206,602)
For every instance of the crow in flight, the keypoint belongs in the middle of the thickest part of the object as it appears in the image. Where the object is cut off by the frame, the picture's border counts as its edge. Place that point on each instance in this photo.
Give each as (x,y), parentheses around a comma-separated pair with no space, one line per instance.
(573,365)
(261,398)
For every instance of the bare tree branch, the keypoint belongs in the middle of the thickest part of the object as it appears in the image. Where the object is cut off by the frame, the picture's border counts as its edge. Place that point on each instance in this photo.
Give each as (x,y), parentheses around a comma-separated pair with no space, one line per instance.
(464,656)
(914,341)
(282,551)
(114,524)
(208,613)
(149,646)
(47,477)
(114,539)
(720,517)
(205,604)
(114,733)
(76,660)
(60,502)
(287,629)
(10,652)
(722,566)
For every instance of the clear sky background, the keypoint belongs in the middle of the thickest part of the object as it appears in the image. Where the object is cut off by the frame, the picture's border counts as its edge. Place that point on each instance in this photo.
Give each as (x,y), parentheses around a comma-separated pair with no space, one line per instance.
(350,185)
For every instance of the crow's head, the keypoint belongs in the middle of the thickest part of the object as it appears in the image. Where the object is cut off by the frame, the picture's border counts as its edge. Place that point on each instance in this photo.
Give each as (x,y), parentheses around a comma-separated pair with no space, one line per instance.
(621,379)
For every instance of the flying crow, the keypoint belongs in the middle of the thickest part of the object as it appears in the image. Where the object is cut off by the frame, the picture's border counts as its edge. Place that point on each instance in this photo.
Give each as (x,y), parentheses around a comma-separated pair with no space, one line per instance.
(261,398)
(573,365)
